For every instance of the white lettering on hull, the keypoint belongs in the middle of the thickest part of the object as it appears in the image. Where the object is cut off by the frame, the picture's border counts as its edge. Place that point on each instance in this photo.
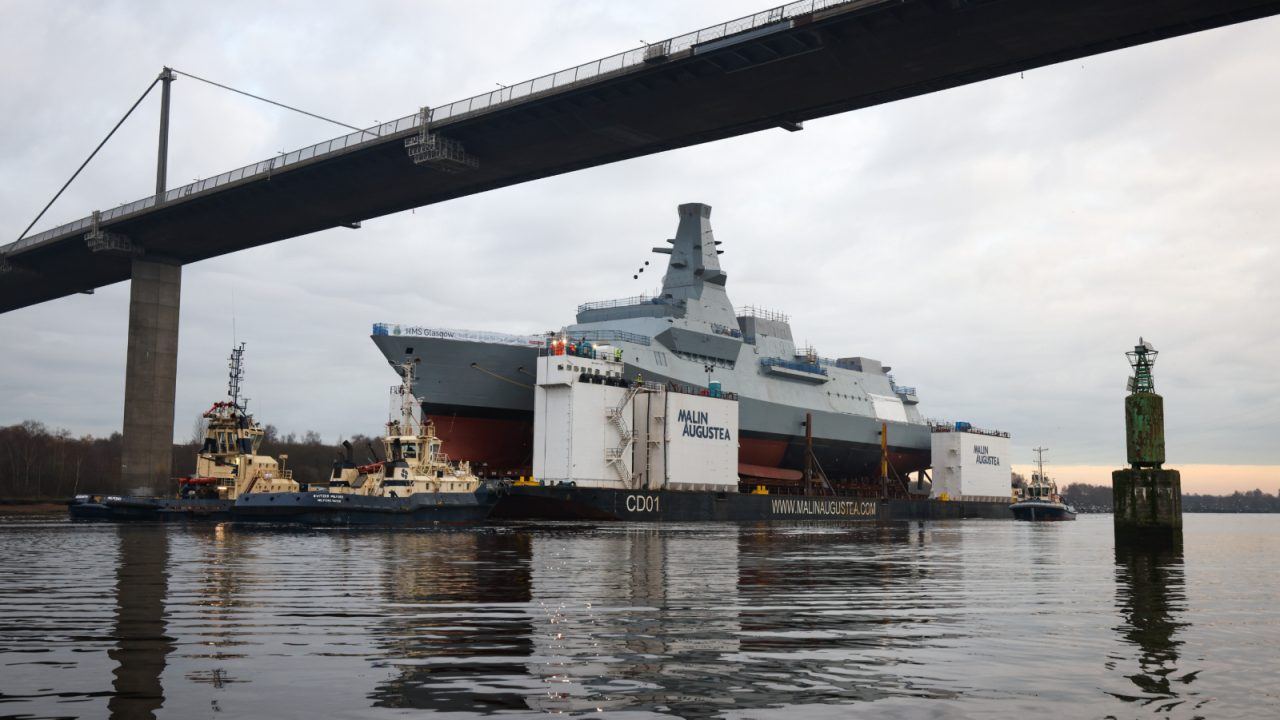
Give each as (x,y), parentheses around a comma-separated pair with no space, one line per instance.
(810,506)
(643,503)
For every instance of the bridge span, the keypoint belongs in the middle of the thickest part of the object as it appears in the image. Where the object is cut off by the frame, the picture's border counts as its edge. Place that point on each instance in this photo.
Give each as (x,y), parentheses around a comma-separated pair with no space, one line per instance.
(774,69)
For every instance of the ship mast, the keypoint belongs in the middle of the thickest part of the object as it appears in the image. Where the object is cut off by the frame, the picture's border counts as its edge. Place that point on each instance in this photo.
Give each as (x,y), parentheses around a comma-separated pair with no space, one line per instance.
(408,422)
(1040,451)
(236,375)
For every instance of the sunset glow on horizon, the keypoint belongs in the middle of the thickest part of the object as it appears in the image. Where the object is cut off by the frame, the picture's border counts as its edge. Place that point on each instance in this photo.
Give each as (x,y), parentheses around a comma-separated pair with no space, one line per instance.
(1201,479)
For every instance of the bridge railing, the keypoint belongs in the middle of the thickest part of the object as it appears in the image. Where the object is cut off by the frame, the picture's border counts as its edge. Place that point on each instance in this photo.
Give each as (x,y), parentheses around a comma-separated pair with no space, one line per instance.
(628,59)
(478,103)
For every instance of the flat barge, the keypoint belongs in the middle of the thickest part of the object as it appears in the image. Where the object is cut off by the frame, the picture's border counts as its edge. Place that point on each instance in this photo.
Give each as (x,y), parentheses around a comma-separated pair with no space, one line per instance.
(562,502)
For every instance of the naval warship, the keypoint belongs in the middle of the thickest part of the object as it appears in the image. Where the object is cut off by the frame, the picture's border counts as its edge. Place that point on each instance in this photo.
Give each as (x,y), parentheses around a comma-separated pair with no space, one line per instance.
(796,407)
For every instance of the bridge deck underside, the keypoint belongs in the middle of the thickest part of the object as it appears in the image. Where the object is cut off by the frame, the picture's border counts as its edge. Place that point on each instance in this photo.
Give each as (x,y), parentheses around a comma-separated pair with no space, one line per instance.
(850,59)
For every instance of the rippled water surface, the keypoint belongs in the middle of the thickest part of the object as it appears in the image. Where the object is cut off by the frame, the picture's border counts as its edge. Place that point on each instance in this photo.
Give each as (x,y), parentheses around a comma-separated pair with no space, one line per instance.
(946,619)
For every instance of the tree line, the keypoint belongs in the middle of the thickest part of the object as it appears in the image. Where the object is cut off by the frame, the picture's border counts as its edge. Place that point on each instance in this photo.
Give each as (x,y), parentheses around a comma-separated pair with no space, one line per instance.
(1097,498)
(41,462)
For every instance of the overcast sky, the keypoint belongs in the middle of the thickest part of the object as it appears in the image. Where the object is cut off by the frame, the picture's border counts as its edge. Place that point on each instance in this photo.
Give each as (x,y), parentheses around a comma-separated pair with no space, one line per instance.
(1001,245)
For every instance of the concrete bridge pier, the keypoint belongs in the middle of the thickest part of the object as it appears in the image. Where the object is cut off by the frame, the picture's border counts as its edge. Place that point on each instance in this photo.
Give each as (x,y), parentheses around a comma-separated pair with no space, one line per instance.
(151,374)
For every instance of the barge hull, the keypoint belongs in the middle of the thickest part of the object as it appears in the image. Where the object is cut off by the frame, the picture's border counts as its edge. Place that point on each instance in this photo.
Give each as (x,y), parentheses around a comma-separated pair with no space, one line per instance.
(577,503)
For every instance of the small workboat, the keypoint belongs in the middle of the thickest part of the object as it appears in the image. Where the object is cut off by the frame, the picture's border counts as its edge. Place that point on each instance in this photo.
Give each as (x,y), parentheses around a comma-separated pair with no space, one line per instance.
(1040,500)
(416,484)
(227,466)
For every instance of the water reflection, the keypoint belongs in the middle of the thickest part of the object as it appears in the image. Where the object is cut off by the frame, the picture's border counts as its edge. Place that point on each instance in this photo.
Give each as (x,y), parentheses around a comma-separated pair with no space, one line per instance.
(1151,598)
(142,647)
(634,616)
(973,619)
(830,614)
(456,628)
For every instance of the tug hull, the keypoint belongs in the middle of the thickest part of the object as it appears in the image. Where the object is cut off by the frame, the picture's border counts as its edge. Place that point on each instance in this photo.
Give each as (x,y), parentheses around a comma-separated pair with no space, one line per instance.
(323,508)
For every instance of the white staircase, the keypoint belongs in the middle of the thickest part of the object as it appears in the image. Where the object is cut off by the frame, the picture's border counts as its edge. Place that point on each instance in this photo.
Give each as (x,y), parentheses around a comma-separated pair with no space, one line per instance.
(617,418)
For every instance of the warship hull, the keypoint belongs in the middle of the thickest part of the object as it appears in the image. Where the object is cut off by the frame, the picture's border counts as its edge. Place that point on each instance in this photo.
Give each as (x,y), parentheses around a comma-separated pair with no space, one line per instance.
(578,503)
(480,397)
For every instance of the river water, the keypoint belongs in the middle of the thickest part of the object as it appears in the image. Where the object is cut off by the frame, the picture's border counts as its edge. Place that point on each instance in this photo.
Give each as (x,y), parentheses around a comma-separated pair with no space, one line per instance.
(920,619)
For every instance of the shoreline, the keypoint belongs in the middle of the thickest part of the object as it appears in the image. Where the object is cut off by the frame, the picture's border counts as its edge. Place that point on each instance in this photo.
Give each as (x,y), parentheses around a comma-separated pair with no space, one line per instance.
(32,506)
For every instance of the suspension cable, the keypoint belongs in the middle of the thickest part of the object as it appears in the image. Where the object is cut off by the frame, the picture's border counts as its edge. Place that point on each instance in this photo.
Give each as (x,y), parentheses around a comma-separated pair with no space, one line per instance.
(266,100)
(86,161)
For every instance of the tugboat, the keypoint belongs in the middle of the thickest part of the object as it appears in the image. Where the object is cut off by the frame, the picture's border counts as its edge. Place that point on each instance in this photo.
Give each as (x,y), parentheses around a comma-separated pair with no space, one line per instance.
(1040,501)
(415,485)
(227,466)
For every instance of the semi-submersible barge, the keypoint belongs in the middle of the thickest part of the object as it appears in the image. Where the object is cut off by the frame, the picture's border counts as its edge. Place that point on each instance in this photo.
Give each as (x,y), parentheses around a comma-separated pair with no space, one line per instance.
(811,437)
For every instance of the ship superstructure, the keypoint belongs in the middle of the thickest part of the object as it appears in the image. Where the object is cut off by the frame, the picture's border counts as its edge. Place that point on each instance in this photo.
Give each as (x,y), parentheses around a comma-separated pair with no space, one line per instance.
(478,388)
(228,464)
(415,460)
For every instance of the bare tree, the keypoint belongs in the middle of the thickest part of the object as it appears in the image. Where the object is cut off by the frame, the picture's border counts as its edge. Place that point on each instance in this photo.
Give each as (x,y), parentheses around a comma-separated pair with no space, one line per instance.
(198,429)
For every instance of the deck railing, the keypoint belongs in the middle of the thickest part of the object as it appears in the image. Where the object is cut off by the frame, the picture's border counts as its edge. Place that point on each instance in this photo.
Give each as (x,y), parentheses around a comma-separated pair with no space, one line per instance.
(623,302)
(483,336)
(764,314)
(813,368)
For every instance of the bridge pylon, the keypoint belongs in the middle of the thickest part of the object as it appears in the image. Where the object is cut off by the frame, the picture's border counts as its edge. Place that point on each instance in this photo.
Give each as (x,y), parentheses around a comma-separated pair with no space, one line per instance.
(151,364)
(151,373)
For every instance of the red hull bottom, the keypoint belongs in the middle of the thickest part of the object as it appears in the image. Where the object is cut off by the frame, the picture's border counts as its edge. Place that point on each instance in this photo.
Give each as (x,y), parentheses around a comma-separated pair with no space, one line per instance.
(503,447)
(493,446)
(759,451)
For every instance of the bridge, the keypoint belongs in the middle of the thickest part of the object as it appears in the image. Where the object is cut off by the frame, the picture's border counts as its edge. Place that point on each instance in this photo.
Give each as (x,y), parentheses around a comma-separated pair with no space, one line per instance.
(774,69)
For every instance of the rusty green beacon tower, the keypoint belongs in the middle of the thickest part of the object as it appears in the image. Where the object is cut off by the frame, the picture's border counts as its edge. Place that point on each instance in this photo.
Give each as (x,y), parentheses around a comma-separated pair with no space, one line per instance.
(1147,498)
